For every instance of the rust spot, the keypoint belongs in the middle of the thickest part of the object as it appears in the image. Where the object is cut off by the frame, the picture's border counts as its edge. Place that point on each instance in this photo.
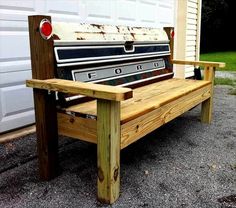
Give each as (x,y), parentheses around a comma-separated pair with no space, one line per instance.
(116,173)
(95,25)
(55,37)
(118,29)
(100,174)
(72,120)
(133,35)
(80,38)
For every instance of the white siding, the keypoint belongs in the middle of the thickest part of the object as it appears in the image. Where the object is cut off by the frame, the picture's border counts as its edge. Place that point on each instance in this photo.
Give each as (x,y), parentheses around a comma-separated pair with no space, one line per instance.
(192,52)
(188,34)
(16,101)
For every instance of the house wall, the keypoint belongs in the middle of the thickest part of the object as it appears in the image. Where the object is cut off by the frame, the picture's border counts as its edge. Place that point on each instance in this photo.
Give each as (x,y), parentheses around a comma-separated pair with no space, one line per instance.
(187,40)
(16,101)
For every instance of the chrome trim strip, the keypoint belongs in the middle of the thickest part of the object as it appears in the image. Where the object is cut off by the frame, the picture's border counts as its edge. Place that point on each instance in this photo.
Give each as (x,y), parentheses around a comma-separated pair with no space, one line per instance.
(111,60)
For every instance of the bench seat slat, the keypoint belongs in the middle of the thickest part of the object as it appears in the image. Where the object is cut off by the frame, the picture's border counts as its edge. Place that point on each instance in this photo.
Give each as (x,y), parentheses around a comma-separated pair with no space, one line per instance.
(146,98)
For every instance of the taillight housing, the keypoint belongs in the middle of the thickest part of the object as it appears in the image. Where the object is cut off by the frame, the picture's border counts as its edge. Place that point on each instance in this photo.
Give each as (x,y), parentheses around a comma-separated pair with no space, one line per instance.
(45,29)
(172,34)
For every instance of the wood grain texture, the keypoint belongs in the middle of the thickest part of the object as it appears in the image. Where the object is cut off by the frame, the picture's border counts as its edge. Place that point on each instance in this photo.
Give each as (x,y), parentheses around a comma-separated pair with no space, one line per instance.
(207,105)
(200,63)
(147,98)
(168,31)
(141,126)
(131,131)
(87,89)
(47,136)
(42,61)
(77,127)
(108,150)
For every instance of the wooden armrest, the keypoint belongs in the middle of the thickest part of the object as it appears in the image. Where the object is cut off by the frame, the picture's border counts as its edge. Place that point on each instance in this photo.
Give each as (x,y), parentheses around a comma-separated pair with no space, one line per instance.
(200,63)
(88,89)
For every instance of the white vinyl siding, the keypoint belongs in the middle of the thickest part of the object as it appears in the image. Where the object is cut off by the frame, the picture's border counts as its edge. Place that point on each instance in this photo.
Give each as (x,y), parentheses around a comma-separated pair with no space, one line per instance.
(188,35)
(192,52)
(16,101)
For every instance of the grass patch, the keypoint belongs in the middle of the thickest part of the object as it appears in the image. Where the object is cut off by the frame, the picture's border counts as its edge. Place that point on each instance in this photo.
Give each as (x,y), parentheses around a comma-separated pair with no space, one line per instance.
(225,81)
(229,57)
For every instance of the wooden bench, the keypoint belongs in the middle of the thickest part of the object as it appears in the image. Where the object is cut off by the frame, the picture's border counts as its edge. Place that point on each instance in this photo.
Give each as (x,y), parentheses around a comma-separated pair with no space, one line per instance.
(113,117)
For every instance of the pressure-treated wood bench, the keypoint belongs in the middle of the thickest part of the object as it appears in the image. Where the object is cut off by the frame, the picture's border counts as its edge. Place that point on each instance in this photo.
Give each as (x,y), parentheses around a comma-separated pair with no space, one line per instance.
(73,72)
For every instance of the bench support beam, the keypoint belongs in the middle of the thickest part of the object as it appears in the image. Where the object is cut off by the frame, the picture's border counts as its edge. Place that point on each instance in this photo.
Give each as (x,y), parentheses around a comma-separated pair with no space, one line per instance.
(46,126)
(42,61)
(108,150)
(207,105)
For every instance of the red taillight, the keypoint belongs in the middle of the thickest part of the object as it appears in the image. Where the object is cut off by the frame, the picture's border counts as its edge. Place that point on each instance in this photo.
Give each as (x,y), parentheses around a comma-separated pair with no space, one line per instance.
(172,34)
(45,29)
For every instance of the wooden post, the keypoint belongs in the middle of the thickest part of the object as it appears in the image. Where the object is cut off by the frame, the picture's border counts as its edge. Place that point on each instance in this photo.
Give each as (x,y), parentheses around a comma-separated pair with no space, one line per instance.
(206,111)
(170,33)
(108,150)
(42,61)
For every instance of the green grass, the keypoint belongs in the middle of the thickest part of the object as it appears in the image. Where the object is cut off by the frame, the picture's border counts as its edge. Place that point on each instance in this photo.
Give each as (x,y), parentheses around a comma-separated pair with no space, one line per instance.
(228,57)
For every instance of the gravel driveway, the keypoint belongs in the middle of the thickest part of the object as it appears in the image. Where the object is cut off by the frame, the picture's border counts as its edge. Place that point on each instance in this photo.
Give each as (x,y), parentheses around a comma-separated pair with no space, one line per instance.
(183,164)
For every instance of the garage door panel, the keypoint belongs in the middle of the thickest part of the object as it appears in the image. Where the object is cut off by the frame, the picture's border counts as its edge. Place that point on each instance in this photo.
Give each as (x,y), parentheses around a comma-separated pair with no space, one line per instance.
(11,78)
(165,11)
(15,99)
(16,15)
(14,66)
(25,5)
(60,12)
(9,44)
(16,121)
(99,11)
(12,25)
(125,7)
(17,10)
(63,7)
(148,18)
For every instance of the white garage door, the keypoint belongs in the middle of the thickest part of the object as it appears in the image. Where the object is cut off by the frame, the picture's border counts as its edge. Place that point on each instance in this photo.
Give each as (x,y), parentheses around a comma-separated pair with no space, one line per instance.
(16,101)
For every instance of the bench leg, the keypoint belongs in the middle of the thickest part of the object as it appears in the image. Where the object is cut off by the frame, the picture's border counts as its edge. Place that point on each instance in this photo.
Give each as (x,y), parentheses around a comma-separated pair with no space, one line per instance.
(206,111)
(47,135)
(108,150)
